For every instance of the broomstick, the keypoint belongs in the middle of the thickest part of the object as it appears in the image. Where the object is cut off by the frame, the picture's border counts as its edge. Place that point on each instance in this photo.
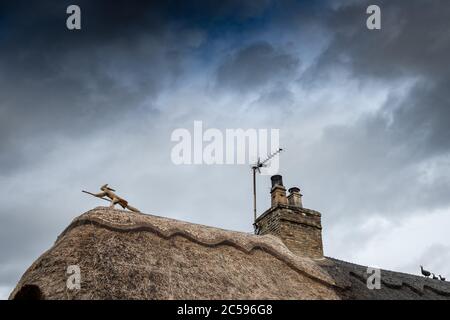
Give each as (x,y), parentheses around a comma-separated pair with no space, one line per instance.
(106,199)
(95,195)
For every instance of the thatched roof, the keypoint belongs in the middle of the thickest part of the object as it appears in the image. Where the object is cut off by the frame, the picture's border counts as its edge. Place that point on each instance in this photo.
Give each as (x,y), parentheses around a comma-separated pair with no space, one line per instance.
(126,255)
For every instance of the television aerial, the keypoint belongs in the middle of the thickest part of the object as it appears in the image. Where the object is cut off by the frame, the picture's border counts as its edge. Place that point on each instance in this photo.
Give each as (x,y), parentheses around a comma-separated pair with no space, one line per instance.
(257,168)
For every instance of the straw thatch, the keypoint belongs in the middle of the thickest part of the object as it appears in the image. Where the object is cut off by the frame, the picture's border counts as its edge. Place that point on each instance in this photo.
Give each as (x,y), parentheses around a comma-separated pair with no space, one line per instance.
(126,255)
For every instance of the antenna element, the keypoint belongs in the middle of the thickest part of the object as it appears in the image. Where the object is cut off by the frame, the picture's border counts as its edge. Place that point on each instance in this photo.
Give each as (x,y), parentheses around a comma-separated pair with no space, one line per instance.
(257,167)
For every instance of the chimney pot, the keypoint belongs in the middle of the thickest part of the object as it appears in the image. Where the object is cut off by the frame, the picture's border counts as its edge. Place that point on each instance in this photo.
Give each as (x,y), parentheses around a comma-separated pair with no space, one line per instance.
(278,191)
(295,197)
(294,190)
(277,180)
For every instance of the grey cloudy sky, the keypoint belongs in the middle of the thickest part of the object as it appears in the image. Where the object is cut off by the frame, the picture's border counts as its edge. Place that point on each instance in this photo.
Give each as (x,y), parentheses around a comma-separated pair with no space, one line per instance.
(363,115)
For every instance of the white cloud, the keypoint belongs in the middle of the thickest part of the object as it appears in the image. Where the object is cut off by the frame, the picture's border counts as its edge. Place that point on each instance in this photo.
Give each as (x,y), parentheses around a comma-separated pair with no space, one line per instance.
(402,245)
(4,292)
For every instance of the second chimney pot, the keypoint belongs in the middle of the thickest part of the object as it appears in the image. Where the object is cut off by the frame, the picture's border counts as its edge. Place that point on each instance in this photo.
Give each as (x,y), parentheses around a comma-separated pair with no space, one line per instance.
(295,197)
(294,190)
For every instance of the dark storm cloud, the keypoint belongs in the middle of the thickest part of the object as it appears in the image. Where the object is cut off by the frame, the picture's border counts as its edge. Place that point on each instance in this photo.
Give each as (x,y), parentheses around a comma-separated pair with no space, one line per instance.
(125,54)
(414,39)
(255,66)
(422,121)
(389,146)
(55,82)
(413,43)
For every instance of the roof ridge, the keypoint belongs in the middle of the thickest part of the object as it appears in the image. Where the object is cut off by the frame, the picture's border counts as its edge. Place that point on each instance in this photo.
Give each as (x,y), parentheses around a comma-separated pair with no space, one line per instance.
(114,219)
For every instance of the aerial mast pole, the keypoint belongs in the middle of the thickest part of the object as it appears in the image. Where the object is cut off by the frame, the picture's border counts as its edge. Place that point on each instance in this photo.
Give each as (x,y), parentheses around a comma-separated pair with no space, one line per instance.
(254,194)
(257,167)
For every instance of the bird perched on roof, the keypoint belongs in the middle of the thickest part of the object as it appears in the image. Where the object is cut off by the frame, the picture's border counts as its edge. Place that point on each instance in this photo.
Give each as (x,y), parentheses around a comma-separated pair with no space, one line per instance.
(434,277)
(441,278)
(425,272)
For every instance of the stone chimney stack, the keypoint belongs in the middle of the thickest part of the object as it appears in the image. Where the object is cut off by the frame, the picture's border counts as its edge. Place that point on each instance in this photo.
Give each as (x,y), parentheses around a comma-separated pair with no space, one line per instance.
(278,191)
(299,228)
(295,197)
